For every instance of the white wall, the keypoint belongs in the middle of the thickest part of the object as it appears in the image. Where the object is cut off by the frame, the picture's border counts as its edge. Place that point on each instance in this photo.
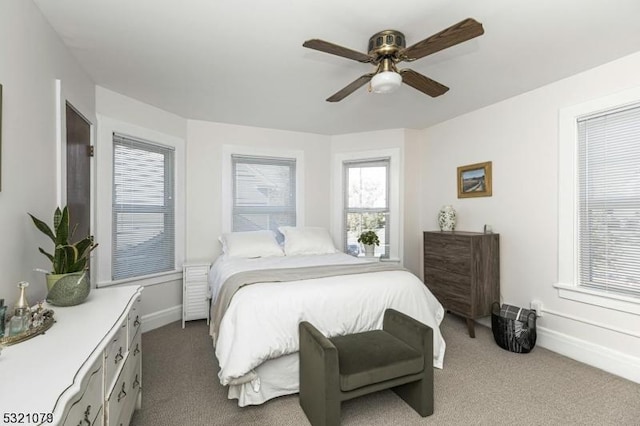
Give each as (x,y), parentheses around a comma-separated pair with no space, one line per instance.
(33,57)
(162,296)
(204,178)
(520,137)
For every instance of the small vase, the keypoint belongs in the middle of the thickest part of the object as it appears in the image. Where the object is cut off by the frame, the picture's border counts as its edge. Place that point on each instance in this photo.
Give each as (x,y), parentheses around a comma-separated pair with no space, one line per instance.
(69,289)
(447,218)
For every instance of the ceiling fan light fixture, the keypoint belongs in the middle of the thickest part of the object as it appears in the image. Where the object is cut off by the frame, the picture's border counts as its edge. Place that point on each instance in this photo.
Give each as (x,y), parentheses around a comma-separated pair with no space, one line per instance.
(386,82)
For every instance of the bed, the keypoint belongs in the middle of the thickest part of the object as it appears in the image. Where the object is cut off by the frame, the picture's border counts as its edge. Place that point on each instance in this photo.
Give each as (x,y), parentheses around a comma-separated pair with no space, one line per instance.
(261,290)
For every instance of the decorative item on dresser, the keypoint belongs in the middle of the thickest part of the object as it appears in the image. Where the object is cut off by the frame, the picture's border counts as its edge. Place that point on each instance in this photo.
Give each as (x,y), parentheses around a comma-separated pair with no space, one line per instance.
(447,218)
(86,370)
(68,281)
(462,269)
(195,291)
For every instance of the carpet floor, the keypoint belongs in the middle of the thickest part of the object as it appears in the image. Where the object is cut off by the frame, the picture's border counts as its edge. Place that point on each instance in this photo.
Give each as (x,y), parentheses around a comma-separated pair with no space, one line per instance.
(480,384)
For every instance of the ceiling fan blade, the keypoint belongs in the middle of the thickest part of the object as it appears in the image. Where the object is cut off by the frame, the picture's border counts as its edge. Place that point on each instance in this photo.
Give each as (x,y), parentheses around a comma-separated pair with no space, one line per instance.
(455,34)
(334,49)
(422,83)
(350,88)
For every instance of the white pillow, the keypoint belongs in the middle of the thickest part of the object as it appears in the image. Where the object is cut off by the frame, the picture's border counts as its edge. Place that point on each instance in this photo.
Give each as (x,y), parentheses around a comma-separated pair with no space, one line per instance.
(250,244)
(308,240)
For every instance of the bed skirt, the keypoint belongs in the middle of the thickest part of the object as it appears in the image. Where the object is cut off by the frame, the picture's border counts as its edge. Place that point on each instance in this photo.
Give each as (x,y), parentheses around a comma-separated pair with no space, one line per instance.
(275,377)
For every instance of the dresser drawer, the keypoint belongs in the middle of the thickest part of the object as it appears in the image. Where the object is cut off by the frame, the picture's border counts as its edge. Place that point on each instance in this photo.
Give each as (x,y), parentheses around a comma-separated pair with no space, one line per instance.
(448,253)
(115,354)
(135,320)
(122,400)
(452,290)
(86,409)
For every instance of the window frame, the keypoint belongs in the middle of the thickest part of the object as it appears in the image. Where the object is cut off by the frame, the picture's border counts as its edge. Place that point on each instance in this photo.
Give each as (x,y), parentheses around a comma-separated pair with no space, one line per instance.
(370,162)
(104,198)
(228,151)
(567,285)
(169,196)
(261,210)
(395,228)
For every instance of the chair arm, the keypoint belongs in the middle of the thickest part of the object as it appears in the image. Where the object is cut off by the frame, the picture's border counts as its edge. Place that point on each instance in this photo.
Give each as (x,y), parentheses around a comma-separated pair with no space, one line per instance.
(319,368)
(318,353)
(411,331)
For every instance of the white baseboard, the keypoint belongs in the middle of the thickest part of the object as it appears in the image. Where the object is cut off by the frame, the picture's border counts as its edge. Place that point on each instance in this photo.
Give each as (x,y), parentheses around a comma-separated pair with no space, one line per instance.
(158,319)
(589,353)
(597,356)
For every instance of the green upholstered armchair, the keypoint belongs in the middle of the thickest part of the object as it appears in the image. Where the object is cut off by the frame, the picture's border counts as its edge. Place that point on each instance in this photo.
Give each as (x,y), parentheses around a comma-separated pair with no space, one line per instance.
(332,370)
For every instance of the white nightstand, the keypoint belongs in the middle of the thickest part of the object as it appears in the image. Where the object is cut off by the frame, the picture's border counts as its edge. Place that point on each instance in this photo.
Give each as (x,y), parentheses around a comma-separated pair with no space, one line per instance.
(195,293)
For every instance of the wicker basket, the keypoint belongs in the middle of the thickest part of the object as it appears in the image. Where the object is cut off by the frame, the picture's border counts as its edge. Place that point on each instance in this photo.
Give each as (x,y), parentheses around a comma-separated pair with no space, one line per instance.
(504,331)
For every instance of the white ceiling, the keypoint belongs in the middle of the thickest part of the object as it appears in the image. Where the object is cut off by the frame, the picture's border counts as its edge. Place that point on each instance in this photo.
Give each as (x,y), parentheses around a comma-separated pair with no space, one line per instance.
(242,61)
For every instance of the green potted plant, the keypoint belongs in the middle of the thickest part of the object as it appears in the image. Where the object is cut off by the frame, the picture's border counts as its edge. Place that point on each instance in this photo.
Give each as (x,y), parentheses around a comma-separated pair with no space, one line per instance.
(67,281)
(369,239)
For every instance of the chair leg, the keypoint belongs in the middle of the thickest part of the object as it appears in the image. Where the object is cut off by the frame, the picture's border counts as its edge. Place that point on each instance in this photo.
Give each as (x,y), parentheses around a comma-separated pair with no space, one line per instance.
(418,395)
(320,411)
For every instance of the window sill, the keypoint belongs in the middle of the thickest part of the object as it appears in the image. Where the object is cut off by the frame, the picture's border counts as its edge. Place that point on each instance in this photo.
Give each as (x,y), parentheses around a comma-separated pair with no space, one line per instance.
(147,280)
(598,298)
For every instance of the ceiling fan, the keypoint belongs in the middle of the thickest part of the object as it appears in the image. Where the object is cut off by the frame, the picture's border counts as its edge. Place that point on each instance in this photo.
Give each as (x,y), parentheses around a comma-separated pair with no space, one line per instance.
(387,49)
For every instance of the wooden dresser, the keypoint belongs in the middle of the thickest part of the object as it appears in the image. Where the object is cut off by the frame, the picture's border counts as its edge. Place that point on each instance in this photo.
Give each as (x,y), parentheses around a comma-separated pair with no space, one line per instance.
(85,370)
(462,269)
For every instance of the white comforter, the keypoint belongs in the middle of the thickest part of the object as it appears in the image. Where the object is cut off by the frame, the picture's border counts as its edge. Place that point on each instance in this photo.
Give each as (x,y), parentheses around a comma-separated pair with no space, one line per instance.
(262,319)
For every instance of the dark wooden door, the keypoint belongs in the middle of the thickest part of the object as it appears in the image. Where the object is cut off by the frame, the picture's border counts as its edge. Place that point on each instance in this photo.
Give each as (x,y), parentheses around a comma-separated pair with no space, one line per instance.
(78,172)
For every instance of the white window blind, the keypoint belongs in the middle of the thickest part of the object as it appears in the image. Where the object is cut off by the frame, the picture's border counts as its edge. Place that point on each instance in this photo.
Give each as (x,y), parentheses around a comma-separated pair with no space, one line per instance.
(609,201)
(143,208)
(366,201)
(264,193)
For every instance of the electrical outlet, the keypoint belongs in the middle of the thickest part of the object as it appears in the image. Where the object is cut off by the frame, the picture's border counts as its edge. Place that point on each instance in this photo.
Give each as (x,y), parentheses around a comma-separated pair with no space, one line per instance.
(537,305)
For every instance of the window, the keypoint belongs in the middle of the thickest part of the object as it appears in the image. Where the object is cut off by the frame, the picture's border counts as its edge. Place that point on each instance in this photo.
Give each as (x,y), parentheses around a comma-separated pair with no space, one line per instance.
(591,221)
(366,203)
(608,210)
(263,193)
(143,231)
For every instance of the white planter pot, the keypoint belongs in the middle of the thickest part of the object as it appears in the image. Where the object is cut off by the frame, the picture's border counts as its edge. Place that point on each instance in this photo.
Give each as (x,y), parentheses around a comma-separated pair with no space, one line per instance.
(369,250)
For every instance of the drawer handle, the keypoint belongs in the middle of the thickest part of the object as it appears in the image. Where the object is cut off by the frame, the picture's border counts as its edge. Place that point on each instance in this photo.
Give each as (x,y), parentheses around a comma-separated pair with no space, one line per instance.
(136,323)
(136,351)
(119,356)
(136,382)
(122,393)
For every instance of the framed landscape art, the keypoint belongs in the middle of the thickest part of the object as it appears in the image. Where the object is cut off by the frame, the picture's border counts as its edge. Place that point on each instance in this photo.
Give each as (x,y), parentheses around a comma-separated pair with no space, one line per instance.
(474,180)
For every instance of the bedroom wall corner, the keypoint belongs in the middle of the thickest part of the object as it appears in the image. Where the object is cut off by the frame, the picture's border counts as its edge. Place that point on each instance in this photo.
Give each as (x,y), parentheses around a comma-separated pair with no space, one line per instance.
(116,112)
(520,136)
(33,58)
(205,142)
(412,203)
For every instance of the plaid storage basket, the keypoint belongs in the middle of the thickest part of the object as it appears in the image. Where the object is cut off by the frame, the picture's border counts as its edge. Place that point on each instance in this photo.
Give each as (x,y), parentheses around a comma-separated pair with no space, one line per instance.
(515,333)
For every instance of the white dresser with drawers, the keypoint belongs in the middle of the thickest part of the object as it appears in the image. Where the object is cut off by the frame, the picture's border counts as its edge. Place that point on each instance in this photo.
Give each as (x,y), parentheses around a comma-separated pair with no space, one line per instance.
(85,370)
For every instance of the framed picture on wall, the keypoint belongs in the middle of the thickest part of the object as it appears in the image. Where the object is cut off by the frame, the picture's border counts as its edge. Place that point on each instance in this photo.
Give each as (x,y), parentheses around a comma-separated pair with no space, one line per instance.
(474,180)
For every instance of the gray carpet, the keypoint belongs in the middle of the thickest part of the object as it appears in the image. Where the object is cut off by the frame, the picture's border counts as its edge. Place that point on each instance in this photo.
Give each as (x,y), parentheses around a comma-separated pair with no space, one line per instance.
(481,384)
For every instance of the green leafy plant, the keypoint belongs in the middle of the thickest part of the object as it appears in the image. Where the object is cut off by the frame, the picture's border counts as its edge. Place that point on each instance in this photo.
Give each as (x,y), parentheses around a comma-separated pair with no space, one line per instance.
(369,238)
(66,257)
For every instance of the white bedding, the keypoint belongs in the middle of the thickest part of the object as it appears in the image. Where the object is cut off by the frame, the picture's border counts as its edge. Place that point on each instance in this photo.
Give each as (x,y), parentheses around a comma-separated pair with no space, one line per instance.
(261,322)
